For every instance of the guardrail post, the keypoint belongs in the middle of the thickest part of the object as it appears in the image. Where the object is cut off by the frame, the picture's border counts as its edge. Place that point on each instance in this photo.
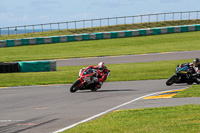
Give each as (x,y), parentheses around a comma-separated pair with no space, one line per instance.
(149,18)
(50,27)
(164,17)
(133,20)
(24,29)
(8,31)
(67,25)
(100,22)
(141,18)
(116,21)
(0,31)
(157,18)
(33,28)
(189,15)
(75,24)
(42,28)
(181,15)
(16,30)
(59,26)
(124,20)
(83,23)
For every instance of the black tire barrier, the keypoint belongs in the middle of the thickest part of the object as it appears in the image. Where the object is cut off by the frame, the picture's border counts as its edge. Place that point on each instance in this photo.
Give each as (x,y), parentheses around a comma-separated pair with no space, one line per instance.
(9,67)
(28,66)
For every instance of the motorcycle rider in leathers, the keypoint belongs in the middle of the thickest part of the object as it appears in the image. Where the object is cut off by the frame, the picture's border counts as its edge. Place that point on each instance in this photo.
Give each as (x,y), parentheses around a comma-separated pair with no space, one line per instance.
(195,69)
(196,65)
(102,72)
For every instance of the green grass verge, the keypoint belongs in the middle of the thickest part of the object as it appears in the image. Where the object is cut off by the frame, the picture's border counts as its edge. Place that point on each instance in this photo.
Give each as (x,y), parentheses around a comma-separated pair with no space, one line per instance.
(108,47)
(119,72)
(178,119)
(102,29)
(193,91)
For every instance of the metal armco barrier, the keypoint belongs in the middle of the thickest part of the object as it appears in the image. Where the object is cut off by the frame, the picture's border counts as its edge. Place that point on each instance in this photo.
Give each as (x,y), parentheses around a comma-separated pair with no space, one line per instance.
(100,35)
(90,23)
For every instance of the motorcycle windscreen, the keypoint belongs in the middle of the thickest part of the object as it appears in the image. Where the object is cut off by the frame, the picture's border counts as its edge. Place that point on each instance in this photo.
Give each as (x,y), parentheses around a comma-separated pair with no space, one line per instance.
(88,71)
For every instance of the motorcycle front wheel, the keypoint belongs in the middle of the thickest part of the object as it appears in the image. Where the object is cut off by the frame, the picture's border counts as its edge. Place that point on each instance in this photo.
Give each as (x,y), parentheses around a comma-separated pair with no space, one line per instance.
(171,80)
(75,86)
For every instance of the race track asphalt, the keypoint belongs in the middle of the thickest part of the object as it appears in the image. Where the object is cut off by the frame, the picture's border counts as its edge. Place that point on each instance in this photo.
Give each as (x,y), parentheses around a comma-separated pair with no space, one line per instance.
(50,108)
(130,58)
(47,109)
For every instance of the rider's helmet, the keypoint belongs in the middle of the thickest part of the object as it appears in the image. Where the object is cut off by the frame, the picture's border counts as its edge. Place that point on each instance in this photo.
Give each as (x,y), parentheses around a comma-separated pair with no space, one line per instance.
(101,66)
(196,62)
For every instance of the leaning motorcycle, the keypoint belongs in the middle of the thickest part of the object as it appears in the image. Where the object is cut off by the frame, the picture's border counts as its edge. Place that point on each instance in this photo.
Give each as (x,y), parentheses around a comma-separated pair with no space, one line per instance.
(86,81)
(184,74)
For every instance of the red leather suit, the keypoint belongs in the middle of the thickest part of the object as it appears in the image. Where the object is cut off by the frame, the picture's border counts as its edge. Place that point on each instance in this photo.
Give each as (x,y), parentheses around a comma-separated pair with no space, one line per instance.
(102,76)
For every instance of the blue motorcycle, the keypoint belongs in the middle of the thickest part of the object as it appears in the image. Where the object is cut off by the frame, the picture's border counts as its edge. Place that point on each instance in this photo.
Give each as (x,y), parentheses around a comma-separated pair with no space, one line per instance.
(184,74)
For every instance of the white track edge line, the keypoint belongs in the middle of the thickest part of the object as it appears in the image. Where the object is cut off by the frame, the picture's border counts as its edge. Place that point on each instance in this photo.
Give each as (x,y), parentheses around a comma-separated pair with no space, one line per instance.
(109,110)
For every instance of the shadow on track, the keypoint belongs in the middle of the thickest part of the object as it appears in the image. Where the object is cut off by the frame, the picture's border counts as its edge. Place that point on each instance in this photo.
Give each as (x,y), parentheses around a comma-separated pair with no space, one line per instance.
(86,91)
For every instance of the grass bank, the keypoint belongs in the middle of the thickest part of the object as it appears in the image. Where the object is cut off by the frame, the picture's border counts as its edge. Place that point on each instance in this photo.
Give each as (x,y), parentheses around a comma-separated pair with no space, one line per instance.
(193,91)
(109,47)
(185,119)
(119,72)
(102,29)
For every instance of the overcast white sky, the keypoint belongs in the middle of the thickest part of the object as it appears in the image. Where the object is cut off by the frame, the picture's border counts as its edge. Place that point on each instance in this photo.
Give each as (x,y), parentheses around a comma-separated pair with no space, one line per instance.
(26,12)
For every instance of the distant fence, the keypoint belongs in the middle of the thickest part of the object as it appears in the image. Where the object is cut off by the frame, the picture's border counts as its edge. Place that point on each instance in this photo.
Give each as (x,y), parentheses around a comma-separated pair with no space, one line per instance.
(90,23)
(99,35)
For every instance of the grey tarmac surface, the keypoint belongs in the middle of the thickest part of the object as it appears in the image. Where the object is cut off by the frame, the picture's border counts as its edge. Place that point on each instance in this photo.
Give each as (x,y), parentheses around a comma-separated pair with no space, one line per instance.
(47,109)
(130,58)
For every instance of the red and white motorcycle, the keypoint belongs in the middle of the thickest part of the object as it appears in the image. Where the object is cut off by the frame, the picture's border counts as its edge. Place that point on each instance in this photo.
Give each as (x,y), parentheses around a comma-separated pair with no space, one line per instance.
(87,80)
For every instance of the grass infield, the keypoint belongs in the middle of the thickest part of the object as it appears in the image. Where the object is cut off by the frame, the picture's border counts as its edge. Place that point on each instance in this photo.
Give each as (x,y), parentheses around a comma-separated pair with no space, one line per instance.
(119,72)
(187,41)
(178,119)
(193,91)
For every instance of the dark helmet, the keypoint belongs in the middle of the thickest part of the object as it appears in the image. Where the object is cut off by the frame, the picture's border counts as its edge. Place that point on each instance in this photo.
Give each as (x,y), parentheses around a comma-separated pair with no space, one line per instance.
(196,62)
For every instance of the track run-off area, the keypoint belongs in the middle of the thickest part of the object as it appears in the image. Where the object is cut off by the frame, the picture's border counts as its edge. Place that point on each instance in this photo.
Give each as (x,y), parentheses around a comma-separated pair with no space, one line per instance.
(53,108)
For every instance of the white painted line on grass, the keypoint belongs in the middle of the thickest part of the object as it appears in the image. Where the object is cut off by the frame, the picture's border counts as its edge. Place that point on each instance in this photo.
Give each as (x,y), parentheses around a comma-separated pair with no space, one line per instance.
(109,110)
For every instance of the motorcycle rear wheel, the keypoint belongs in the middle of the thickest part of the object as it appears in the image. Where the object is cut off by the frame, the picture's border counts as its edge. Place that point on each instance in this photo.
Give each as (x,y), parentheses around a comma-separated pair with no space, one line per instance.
(75,86)
(171,80)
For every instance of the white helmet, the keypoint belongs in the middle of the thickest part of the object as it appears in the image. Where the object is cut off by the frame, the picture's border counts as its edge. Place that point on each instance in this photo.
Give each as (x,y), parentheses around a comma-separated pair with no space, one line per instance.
(101,66)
